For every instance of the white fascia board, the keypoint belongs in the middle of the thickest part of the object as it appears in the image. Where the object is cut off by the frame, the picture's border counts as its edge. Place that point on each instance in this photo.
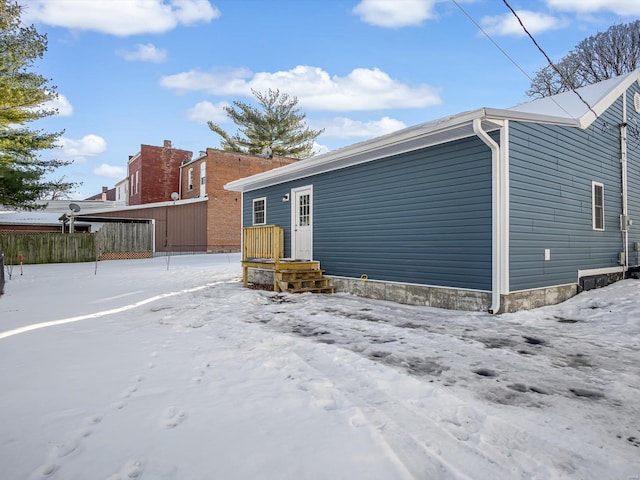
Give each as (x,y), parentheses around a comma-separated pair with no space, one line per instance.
(392,143)
(605,102)
(507,114)
(348,156)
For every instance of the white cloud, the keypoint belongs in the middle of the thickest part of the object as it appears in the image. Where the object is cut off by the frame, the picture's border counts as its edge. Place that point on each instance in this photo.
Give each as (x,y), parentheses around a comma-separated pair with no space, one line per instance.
(110,171)
(319,149)
(79,150)
(619,7)
(60,103)
(398,13)
(146,53)
(121,18)
(508,24)
(205,111)
(361,89)
(347,128)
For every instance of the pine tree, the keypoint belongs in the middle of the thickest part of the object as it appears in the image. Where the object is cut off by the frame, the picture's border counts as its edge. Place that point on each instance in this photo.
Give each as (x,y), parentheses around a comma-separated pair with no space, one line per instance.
(278,126)
(605,55)
(23,94)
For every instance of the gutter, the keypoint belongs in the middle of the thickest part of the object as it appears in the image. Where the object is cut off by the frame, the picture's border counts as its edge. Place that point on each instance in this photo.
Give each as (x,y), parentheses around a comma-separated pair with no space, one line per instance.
(496,214)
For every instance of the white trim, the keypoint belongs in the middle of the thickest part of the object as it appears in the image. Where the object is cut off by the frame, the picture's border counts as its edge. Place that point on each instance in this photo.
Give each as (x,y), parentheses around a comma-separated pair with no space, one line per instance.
(496,215)
(599,271)
(253,211)
(293,217)
(505,209)
(595,184)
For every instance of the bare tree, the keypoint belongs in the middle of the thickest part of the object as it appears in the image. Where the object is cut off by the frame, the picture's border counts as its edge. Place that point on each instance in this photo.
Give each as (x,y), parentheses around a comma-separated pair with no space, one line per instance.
(604,55)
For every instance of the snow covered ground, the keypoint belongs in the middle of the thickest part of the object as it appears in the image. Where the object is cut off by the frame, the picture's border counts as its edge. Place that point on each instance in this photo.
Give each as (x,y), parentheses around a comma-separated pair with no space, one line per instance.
(171,370)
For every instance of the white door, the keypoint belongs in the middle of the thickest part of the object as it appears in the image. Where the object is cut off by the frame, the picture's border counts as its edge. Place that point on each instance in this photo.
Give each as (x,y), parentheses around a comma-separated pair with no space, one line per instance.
(302,223)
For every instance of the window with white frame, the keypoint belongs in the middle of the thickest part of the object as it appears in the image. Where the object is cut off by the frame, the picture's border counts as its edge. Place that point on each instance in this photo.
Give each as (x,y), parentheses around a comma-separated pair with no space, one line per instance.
(260,211)
(137,179)
(597,203)
(190,179)
(131,182)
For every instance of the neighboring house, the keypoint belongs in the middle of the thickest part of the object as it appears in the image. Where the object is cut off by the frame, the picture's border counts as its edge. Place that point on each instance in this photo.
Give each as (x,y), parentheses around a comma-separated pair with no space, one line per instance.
(122,191)
(154,173)
(107,194)
(492,209)
(204,217)
(205,177)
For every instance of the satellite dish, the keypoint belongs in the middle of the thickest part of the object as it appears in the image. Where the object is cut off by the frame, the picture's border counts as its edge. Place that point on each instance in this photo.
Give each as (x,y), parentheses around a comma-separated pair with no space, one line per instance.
(175,196)
(74,207)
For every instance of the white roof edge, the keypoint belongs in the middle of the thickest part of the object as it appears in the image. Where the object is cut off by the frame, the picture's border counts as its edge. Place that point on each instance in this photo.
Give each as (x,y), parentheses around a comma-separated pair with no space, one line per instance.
(605,102)
(147,205)
(424,130)
(343,153)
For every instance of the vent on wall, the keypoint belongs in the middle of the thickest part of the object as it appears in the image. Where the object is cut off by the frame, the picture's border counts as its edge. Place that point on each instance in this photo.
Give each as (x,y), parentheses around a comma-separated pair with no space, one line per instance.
(636,102)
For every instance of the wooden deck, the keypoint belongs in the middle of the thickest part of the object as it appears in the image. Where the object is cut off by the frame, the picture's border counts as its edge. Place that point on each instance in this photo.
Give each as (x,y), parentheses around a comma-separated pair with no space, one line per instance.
(263,247)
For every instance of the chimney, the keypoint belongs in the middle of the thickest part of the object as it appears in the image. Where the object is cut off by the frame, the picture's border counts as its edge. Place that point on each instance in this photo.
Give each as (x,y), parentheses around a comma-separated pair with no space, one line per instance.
(167,144)
(104,194)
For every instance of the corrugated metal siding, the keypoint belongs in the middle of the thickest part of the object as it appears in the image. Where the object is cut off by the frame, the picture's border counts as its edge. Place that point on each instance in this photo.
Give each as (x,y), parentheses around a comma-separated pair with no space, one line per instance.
(551,170)
(421,217)
(182,227)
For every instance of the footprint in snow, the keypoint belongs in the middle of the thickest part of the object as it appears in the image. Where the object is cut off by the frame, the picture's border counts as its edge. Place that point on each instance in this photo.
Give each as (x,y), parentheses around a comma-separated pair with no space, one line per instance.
(44,471)
(132,469)
(172,417)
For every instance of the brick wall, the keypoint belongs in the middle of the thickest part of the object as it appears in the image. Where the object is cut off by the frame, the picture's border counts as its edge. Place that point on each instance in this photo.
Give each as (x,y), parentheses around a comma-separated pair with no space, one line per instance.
(159,173)
(223,207)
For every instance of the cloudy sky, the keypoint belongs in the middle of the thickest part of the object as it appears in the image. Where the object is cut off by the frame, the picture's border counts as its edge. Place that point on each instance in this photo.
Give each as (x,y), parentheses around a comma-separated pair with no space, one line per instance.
(132,72)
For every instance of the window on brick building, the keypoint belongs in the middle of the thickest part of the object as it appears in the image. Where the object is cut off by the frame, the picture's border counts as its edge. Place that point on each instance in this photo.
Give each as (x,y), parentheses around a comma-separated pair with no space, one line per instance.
(190,179)
(137,180)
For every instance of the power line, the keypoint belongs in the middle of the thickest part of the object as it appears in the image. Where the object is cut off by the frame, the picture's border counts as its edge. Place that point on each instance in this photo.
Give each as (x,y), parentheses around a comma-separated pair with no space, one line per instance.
(491,39)
(503,51)
(557,70)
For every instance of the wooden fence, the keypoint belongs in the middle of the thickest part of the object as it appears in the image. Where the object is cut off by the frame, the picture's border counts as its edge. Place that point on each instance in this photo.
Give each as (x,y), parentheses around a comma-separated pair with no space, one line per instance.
(112,241)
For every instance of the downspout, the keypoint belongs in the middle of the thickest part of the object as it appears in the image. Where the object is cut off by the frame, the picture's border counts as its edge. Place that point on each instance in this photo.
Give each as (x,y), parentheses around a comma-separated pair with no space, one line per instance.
(496,214)
(624,222)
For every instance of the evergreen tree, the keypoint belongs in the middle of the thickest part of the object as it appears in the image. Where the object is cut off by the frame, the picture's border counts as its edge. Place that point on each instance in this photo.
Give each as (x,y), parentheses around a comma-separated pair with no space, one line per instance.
(23,94)
(278,126)
(605,55)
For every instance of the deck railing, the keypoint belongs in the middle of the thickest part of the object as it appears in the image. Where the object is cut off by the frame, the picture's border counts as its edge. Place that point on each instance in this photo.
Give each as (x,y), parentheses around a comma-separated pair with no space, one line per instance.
(262,242)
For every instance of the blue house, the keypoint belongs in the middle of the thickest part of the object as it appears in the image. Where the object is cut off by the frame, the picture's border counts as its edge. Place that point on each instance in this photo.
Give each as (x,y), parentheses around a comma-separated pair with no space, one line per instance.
(491,209)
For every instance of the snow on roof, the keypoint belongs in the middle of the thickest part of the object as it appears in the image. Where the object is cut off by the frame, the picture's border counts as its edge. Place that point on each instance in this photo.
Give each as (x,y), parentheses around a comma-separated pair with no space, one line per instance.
(598,96)
(29,218)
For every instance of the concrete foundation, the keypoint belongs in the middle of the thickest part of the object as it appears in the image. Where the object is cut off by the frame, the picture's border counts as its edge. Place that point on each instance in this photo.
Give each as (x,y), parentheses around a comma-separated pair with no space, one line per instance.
(452,298)
(440,297)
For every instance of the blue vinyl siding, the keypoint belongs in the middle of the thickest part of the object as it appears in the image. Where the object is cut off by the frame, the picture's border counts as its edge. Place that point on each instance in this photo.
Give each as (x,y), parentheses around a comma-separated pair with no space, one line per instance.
(421,217)
(551,174)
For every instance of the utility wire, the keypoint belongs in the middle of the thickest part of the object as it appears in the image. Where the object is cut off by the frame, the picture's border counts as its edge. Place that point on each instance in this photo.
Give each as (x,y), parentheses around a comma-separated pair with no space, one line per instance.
(557,70)
(491,39)
(503,51)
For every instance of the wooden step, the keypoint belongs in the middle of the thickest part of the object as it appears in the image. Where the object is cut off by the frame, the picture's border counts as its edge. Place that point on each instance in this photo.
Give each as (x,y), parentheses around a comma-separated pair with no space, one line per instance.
(313,290)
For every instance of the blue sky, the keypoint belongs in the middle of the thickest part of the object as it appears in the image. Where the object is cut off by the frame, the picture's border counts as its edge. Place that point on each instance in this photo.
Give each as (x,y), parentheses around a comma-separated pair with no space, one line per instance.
(132,72)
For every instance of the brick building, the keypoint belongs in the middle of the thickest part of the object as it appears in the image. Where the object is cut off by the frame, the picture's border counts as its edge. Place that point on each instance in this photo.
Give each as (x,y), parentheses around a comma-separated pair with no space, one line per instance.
(154,173)
(206,176)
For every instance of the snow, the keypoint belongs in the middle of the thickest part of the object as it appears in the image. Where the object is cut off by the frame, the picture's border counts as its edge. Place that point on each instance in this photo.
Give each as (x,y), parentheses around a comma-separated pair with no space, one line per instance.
(167,368)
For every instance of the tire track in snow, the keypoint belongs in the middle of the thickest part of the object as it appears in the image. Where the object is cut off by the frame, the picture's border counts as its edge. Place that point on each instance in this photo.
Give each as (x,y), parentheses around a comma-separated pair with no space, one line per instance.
(53,323)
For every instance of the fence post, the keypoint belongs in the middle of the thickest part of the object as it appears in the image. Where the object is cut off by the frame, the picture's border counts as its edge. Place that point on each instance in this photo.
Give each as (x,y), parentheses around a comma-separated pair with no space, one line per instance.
(1,273)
